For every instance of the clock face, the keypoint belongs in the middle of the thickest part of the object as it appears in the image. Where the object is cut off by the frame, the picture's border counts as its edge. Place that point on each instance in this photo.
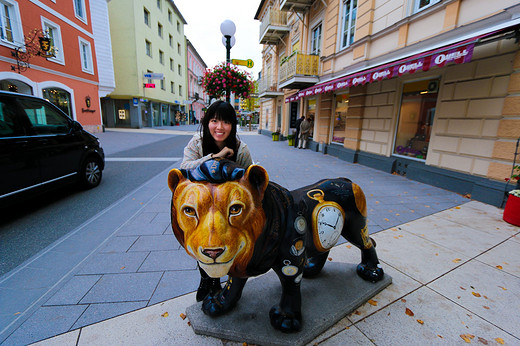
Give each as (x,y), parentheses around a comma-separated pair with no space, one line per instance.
(329,226)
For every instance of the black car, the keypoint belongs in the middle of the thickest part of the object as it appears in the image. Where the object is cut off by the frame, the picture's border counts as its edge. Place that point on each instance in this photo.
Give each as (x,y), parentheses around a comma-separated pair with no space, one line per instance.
(41,147)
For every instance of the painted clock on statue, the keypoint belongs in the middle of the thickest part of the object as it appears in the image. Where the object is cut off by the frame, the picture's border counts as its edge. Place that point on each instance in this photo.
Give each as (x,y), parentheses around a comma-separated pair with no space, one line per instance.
(328,219)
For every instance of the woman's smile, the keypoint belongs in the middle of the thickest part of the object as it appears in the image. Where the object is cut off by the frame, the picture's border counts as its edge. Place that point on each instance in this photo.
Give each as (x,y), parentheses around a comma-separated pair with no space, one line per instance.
(219,130)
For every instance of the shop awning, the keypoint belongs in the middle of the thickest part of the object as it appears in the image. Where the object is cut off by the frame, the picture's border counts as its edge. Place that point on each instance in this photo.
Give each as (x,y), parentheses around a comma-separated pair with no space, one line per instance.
(459,52)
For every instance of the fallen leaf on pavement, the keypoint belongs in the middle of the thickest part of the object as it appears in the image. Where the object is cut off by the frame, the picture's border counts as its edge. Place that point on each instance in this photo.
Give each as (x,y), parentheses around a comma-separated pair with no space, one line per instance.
(456,260)
(462,288)
(183,316)
(330,258)
(499,267)
(500,341)
(482,340)
(409,312)
(166,314)
(485,307)
(467,337)
(403,300)
(349,246)
(420,321)
(476,294)
(505,289)
(372,302)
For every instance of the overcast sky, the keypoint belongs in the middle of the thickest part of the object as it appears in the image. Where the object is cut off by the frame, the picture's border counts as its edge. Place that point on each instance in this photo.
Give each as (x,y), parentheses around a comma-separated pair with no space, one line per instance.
(203,29)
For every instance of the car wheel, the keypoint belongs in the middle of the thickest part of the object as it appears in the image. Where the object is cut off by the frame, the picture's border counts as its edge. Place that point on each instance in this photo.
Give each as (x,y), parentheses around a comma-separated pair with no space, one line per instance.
(91,173)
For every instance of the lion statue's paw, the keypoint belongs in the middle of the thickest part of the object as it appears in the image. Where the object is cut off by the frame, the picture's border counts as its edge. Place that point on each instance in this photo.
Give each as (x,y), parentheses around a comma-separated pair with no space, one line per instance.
(287,322)
(370,274)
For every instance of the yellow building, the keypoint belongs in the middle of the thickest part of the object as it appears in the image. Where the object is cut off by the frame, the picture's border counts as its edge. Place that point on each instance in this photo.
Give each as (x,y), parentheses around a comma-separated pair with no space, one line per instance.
(422,88)
(149,52)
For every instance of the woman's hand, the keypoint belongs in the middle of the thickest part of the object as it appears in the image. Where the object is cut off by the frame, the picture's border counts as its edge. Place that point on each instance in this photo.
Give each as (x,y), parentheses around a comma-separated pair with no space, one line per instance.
(224,153)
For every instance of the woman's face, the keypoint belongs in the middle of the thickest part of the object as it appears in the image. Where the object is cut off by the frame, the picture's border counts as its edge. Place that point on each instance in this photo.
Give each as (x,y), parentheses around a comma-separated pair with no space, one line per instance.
(219,130)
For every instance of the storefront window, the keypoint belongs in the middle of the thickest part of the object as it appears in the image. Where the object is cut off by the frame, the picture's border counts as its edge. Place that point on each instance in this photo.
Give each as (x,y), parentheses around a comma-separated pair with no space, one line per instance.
(416,116)
(340,118)
(60,98)
(311,113)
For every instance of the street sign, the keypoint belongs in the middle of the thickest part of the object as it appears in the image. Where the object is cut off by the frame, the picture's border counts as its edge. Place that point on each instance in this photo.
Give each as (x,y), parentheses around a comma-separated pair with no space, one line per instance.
(149,85)
(150,75)
(248,63)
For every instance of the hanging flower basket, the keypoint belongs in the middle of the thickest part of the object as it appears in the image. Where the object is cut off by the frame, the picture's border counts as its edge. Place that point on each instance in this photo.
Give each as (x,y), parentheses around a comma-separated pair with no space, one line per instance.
(226,77)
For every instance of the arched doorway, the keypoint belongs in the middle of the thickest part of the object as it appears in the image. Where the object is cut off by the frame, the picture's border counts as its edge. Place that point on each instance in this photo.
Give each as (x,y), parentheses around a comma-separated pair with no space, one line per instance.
(60,98)
(16,86)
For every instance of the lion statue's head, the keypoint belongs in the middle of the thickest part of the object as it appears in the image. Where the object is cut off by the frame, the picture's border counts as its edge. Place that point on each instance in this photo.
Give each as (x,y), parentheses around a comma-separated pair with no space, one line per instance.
(217,214)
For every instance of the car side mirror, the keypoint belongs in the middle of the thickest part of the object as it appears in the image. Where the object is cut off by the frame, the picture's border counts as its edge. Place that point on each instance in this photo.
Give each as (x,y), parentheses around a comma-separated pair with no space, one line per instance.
(76,126)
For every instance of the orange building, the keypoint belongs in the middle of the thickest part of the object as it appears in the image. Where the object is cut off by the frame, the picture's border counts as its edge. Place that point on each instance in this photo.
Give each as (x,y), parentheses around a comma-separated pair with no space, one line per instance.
(68,78)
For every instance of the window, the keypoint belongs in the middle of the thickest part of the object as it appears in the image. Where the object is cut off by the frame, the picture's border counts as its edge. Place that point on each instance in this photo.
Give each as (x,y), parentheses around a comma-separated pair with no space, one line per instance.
(179,69)
(180,90)
(178,27)
(45,119)
(348,25)
(416,115)
(53,32)
(316,40)
(161,57)
(171,40)
(146,17)
(60,98)
(79,9)
(420,5)
(170,16)
(148,48)
(172,87)
(162,85)
(86,56)
(340,119)
(179,48)
(171,64)
(159,4)
(9,126)
(159,30)
(10,23)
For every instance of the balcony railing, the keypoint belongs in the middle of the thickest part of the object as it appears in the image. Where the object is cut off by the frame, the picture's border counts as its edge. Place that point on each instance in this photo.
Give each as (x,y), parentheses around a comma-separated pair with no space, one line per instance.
(268,89)
(297,70)
(273,26)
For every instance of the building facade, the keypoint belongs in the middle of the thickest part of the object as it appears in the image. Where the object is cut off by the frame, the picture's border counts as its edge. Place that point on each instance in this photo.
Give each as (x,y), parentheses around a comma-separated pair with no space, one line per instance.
(149,51)
(68,75)
(426,89)
(196,95)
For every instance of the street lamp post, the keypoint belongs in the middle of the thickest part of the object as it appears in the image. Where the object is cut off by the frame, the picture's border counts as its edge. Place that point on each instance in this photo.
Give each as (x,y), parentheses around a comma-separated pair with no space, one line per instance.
(227,28)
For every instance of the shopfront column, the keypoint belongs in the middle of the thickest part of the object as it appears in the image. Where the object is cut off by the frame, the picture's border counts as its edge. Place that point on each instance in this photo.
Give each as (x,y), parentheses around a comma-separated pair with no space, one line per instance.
(354,120)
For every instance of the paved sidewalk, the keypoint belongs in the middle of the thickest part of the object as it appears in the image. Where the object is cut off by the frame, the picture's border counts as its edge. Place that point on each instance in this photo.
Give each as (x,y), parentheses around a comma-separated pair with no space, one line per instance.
(454,264)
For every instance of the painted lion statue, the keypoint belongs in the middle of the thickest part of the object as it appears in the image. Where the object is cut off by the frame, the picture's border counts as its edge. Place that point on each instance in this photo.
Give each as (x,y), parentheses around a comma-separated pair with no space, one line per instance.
(235,222)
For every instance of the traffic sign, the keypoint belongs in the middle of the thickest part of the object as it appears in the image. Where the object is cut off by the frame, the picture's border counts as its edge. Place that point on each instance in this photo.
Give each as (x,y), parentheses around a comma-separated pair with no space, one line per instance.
(248,63)
(149,85)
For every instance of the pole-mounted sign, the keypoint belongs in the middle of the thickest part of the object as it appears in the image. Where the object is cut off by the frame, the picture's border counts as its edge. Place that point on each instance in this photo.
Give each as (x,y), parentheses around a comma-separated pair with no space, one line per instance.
(248,63)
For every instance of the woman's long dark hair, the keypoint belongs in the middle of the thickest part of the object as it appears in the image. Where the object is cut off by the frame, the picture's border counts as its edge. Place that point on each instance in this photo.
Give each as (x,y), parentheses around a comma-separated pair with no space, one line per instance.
(219,110)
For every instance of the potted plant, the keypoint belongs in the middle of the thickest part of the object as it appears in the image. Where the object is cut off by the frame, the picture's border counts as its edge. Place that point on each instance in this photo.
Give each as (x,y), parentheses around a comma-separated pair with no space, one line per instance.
(276,135)
(290,140)
(512,208)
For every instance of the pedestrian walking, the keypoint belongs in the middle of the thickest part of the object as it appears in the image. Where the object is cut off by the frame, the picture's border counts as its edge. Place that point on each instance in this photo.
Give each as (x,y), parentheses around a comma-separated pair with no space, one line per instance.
(296,135)
(305,131)
(217,139)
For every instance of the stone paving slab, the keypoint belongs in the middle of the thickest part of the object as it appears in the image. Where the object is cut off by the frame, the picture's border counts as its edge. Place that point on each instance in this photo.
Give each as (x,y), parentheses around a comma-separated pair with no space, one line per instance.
(326,299)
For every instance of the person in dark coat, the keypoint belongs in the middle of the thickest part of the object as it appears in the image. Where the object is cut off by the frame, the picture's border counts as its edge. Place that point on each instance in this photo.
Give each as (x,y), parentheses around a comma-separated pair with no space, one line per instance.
(296,135)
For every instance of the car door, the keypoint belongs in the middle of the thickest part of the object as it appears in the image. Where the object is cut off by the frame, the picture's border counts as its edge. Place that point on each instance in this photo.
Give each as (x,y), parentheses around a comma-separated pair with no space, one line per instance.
(19,165)
(52,131)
